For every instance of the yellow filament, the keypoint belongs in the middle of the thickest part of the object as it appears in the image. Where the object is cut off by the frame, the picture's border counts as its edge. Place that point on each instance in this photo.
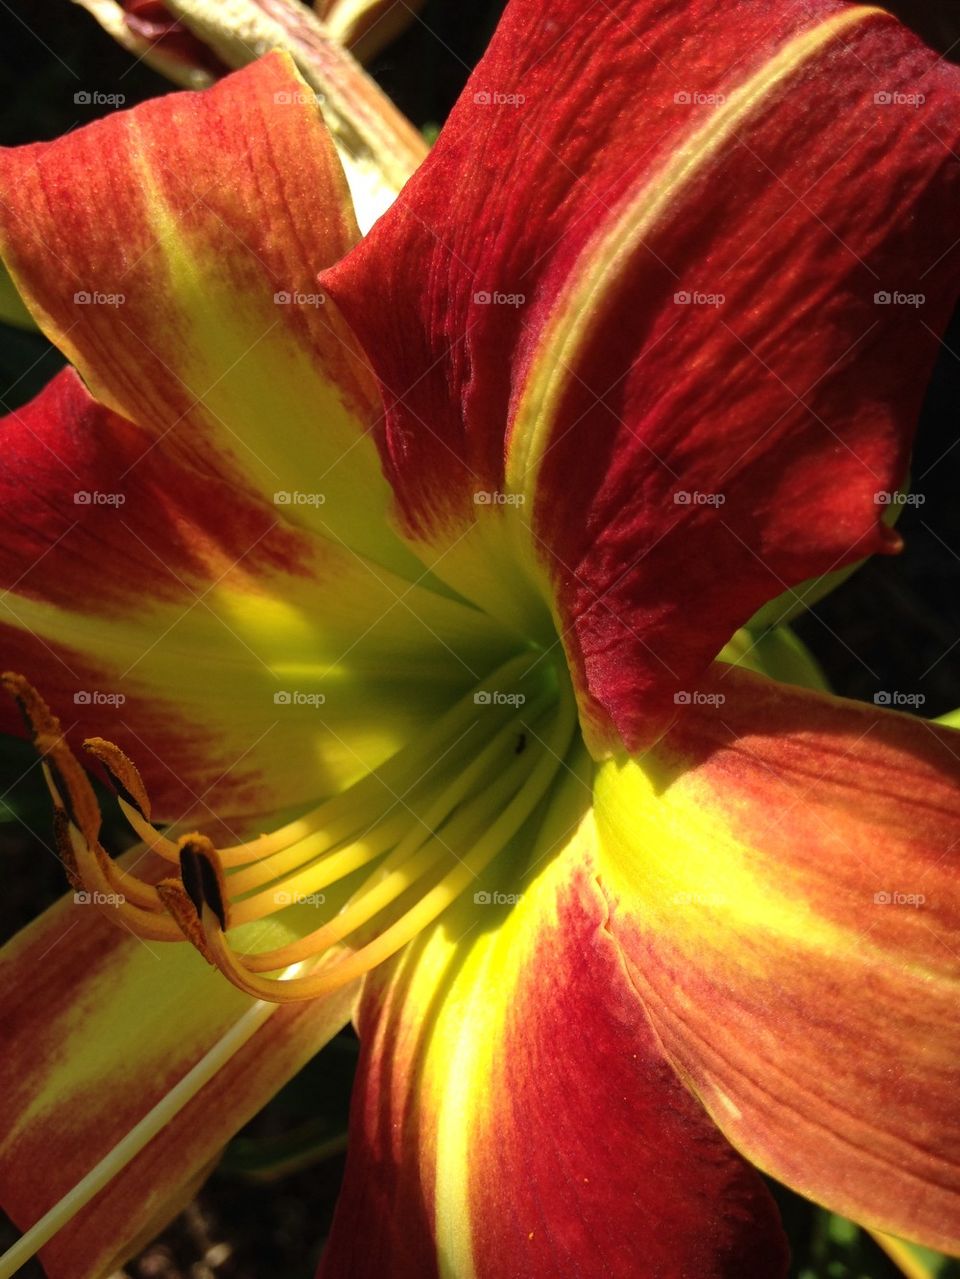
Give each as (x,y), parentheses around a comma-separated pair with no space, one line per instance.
(169,849)
(391,776)
(334,866)
(335,819)
(396,875)
(139,903)
(427,909)
(113,894)
(371,843)
(344,862)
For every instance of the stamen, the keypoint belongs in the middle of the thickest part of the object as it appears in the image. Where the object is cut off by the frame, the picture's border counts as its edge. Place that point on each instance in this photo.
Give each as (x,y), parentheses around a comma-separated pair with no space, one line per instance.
(387,816)
(333,866)
(320,844)
(432,904)
(344,861)
(482,796)
(201,876)
(72,793)
(122,772)
(90,866)
(155,840)
(334,820)
(396,875)
(138,905)
(393,776)
(184,915)
(77,824)
(65,778)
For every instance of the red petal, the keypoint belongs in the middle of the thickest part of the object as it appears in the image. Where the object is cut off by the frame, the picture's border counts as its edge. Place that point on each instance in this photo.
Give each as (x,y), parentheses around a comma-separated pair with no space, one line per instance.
(171,252)
(168,606)
(514,1116)
(601,161)
(98,1028)
(782,876)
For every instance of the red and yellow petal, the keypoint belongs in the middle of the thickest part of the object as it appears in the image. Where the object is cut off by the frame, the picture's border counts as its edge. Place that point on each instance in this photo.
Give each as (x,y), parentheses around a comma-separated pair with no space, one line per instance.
(514,1115)
(98,1027)
(169,609)
(651,240)
(781,872)
(171,252)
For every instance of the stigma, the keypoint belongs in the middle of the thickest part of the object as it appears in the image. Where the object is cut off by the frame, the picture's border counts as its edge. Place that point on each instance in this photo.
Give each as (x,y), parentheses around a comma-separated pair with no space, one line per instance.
(396,848)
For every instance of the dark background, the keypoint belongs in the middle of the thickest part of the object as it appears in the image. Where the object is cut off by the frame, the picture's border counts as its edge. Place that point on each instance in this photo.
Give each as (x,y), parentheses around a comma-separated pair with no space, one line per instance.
(894,625)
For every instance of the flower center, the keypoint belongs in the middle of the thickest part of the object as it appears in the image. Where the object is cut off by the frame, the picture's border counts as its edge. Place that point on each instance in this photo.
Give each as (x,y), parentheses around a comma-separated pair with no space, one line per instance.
(397,847)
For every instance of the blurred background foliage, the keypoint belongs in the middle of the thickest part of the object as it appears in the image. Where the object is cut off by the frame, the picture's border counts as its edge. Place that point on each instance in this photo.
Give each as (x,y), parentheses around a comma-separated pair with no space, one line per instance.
(894,624)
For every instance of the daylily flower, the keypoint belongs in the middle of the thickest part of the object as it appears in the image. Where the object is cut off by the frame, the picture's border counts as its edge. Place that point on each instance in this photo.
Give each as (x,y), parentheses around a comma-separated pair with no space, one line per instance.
(421,571)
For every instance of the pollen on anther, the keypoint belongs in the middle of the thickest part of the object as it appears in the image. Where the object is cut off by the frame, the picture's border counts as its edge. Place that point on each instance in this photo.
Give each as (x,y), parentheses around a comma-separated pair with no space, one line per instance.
(123,773)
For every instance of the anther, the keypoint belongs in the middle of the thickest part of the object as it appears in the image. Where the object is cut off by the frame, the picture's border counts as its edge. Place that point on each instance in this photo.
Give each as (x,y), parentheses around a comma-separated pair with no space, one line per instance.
(77,822)
(123,773)
(201,876)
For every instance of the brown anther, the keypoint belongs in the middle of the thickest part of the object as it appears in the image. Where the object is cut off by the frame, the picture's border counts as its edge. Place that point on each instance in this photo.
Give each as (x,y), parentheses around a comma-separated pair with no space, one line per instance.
(123,773)
(177,902)
(65,849)
(77,816)
(36,713)
(202,879)
(73,792)
(68,780)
